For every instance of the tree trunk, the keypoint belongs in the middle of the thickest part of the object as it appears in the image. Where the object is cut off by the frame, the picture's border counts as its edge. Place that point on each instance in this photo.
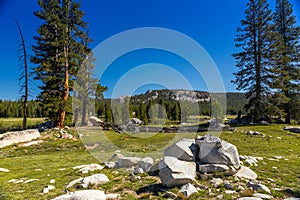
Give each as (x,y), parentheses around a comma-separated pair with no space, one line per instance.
(25,77)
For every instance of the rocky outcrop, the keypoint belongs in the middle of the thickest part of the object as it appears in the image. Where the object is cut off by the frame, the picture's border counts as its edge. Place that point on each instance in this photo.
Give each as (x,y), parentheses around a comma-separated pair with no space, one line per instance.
(10,138)
(213,150)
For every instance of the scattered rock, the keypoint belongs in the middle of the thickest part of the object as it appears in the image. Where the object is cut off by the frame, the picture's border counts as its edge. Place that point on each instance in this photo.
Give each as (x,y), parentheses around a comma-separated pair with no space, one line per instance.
(210,168)
(10,138)
(184,150)
(133,177)
(213,150)
(257,186)
(83,195)
(111,165)
(128,161)
(31,180)
(95,179)
(4,170)
(174,172)
(230,191)
(88,168)
(48,188)
(52,181)
(227,185)
(146,163)
(138,170)
(262,196)
(187,190)
(216,182)
(246,172)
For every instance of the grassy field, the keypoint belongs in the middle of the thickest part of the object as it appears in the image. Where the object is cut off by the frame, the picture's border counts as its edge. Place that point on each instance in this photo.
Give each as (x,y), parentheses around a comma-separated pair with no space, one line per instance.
(8,123)
(55,158)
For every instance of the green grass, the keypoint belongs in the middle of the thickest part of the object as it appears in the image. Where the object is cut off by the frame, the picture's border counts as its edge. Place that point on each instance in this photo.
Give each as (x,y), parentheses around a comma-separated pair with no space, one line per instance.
(6,123)
(55,154)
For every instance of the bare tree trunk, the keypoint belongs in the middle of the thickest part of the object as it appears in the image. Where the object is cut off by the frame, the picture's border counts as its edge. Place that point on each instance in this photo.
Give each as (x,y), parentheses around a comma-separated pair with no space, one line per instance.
(65,93)
(25,102)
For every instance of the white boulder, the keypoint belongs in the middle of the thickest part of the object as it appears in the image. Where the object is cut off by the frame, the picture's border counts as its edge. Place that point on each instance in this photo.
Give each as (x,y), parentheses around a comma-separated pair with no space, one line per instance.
(213,150)
(184,150)
(15,137)
(174,172)
(187,190)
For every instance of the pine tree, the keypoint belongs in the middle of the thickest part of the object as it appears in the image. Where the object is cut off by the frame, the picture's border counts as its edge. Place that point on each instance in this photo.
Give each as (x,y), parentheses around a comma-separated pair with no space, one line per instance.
(284,56)
(58,54)
(251,61)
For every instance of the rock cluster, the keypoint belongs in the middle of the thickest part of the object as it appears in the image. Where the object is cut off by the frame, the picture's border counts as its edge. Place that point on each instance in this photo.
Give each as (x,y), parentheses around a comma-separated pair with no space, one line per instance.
(205,154)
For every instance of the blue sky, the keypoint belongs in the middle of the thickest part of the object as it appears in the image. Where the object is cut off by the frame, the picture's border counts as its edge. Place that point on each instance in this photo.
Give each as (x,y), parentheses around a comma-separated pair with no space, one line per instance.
(211,23)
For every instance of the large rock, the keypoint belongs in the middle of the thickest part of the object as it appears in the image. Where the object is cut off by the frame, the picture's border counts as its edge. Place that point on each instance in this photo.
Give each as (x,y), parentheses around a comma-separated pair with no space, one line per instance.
(94,121)
(128,161)
(213,150)
(10,138)
(187,190)
(247,173)
(83,195)
(185,150)
(174,172)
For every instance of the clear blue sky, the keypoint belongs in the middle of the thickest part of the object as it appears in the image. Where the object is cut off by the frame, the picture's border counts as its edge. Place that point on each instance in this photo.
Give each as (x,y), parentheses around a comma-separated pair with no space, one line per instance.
(211,23)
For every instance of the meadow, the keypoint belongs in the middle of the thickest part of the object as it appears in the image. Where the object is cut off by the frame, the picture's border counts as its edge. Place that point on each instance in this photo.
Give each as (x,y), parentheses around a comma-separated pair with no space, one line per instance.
(55,157)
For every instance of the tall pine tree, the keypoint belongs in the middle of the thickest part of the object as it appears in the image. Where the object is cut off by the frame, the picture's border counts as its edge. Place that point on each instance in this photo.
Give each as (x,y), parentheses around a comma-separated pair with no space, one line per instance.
(58,54)
(285,55)
(251,61)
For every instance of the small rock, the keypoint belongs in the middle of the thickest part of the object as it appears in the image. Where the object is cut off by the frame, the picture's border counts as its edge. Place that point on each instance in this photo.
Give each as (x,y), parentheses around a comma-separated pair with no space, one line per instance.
(187,190)
(146,163)
(51,187)
(216,182)
(246,172)
(4,170)
(240,188)
(220,196)
(230,191)
(52,181)
(134,177)
(227,185)
(279,138)
(249,198)
(257,186)
(128,161)
(45,190)
(138,170)
(30,180)
(262,196)
(111,165)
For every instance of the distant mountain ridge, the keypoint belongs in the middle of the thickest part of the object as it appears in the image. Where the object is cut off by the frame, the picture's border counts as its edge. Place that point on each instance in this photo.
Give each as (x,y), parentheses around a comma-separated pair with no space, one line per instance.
(235,100)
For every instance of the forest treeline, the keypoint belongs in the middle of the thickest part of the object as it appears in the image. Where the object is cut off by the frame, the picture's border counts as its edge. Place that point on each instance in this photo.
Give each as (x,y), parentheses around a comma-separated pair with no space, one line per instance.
(138,106)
